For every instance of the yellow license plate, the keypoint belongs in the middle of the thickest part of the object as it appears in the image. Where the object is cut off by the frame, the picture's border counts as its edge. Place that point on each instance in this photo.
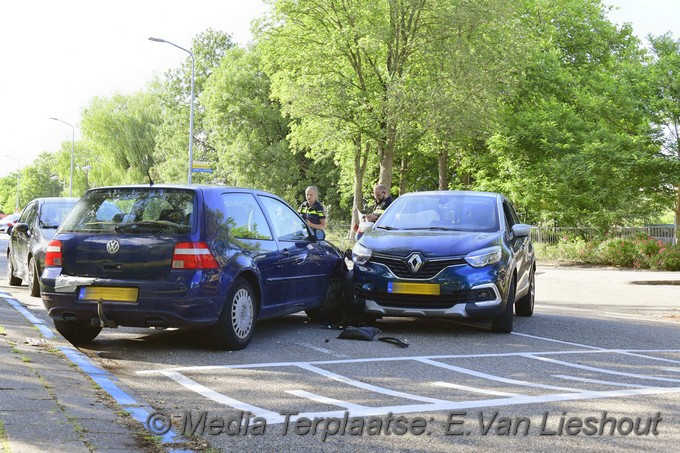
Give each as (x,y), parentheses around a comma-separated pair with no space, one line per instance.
(108,294)
(430,289)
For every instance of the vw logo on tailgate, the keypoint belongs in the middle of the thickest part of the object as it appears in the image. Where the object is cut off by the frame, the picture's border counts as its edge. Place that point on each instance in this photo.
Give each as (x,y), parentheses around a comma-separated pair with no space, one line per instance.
(113,246)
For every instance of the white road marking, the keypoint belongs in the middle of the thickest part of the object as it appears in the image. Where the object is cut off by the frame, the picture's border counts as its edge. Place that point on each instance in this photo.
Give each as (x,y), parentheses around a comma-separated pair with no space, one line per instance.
(602,370)
(473,389)
(324,350)
(492,377)
(598,381)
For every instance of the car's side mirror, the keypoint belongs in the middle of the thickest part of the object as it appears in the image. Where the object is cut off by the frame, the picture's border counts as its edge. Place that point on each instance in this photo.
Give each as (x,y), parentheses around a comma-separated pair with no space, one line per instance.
(521,230)
(20,227)
(319,234)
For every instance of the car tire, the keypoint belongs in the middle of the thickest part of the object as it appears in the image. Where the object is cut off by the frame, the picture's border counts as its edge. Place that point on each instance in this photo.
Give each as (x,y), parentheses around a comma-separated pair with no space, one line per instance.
(330,311)
(11,279)
(77,332)
(525,305)
(33,278)
(236,322)
(503,322)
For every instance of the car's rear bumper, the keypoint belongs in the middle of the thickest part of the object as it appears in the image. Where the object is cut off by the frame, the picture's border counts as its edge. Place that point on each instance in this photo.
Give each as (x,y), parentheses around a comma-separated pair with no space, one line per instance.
(177,303)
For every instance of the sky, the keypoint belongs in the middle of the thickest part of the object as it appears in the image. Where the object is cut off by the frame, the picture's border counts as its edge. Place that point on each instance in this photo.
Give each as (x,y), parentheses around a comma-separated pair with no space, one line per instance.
(58,55)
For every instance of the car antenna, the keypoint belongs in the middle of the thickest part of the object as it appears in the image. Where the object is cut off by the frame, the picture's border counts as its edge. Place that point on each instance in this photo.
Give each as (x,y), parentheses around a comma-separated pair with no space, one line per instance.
(150,180)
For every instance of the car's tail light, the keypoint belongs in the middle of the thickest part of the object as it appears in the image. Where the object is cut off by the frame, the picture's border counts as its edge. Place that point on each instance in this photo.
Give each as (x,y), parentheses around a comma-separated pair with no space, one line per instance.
(193,255)
(53,254)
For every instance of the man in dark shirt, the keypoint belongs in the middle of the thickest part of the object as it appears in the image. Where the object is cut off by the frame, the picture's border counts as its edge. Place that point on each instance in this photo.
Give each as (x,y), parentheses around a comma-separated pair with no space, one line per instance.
(382,199)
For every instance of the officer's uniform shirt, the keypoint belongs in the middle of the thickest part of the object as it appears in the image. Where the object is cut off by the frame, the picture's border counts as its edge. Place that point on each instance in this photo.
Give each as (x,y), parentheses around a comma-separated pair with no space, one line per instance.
(312,213)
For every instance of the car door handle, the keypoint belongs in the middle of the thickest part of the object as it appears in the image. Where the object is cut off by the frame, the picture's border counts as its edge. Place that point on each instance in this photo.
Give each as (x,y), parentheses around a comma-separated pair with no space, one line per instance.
(285,252)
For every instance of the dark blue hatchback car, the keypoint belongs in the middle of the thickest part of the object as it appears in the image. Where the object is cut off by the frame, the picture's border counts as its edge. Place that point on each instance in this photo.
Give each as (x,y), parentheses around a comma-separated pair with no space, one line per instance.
(179,256)
(446,254)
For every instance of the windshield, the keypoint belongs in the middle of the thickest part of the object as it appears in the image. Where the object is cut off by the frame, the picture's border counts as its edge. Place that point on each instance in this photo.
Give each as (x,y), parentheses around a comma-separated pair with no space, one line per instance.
(455,212)
(52,213)
(133,210)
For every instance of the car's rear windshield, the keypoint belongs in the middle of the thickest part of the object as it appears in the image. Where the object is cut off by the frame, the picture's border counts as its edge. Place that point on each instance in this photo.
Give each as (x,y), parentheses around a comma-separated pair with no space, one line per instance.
(456,212)
(133,211)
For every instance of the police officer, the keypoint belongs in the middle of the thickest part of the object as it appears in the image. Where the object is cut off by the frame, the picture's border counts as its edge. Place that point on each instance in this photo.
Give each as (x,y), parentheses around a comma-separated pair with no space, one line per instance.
(382,199)
(312,210)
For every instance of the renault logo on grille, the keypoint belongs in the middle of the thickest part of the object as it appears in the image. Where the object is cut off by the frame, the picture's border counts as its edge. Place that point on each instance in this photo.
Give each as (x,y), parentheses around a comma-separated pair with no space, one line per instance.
(113,246)
(415,262)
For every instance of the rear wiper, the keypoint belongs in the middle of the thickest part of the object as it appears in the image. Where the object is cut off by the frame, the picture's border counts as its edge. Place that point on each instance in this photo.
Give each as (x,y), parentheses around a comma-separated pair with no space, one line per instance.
(148,225)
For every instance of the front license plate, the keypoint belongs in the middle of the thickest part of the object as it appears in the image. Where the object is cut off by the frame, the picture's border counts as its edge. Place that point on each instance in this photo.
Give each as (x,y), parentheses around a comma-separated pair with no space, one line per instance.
(109,294)
(430,289)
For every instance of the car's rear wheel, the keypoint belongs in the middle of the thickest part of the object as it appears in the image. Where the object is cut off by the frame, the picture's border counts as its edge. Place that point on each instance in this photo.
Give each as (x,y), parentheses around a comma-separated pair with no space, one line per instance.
(11,279)
(525,305)
(331,310)
(77,332)
(503,322)
(33,278)
(236,323)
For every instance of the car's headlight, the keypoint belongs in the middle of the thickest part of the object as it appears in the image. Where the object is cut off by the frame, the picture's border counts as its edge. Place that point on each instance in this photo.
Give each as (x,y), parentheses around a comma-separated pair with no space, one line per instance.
(361,254)
(483,257)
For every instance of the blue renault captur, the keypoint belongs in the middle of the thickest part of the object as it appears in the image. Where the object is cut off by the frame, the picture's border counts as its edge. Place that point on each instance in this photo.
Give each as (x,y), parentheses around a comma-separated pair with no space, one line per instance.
(449,254)
(178,256)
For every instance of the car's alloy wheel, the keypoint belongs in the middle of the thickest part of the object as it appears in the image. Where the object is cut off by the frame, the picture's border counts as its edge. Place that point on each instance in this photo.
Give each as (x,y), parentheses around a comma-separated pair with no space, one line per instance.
(525,305)
(236,323)
(11,279)
(33,278)
(503,322)
(77,332)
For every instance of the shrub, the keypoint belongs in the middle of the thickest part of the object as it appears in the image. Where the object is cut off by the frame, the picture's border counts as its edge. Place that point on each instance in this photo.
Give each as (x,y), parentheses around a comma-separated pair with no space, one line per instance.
(618,252)
(667,259)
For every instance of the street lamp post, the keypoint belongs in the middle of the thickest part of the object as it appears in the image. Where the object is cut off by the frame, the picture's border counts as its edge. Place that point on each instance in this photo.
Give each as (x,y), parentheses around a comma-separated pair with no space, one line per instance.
(73,145)
(16,209)
(191,107)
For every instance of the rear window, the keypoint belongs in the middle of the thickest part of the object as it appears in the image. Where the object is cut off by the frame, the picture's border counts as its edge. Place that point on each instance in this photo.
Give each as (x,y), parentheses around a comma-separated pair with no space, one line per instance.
(134,211)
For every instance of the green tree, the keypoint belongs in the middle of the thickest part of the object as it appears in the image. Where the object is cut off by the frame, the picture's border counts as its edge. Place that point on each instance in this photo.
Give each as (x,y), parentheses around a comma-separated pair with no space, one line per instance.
(121,132)
(665,106)
(574,145)
(172,138)
(376,76)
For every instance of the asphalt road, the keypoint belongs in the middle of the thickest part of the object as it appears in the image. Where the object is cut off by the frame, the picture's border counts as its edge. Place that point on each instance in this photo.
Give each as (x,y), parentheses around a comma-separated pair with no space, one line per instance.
(596,368)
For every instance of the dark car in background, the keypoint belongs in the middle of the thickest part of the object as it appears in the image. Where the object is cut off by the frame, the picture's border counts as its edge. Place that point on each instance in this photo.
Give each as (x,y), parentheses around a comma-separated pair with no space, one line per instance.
(7,222)
(187,256)
(29,237)
(448,254)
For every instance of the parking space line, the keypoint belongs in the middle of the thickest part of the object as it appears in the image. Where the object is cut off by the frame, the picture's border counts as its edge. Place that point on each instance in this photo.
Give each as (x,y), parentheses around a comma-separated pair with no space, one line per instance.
(324,350)
(366,386)
(601,370)
(327,400)
(202,390)
(598,381)
(474,389)
(558,341)
(492,377)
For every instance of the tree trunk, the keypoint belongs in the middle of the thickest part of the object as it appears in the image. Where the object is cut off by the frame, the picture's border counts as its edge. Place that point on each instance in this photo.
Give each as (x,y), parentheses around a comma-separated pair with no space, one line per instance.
(360,161)
(402,175)
(443,160)
(676,240)
(387,156)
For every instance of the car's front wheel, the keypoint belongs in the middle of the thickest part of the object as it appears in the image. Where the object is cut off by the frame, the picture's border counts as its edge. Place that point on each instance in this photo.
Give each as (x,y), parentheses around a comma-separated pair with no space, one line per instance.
(77,332)
(236,323)
(503,322)
(330,311)
(525,305)
(33,278)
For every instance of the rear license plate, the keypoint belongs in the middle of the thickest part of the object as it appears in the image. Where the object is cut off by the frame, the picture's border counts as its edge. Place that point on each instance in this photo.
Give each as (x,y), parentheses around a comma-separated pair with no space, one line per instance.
(430,289)
(109,294)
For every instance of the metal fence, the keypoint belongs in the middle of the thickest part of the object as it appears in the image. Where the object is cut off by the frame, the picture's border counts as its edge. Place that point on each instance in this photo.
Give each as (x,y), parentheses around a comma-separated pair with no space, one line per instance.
(551,235)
